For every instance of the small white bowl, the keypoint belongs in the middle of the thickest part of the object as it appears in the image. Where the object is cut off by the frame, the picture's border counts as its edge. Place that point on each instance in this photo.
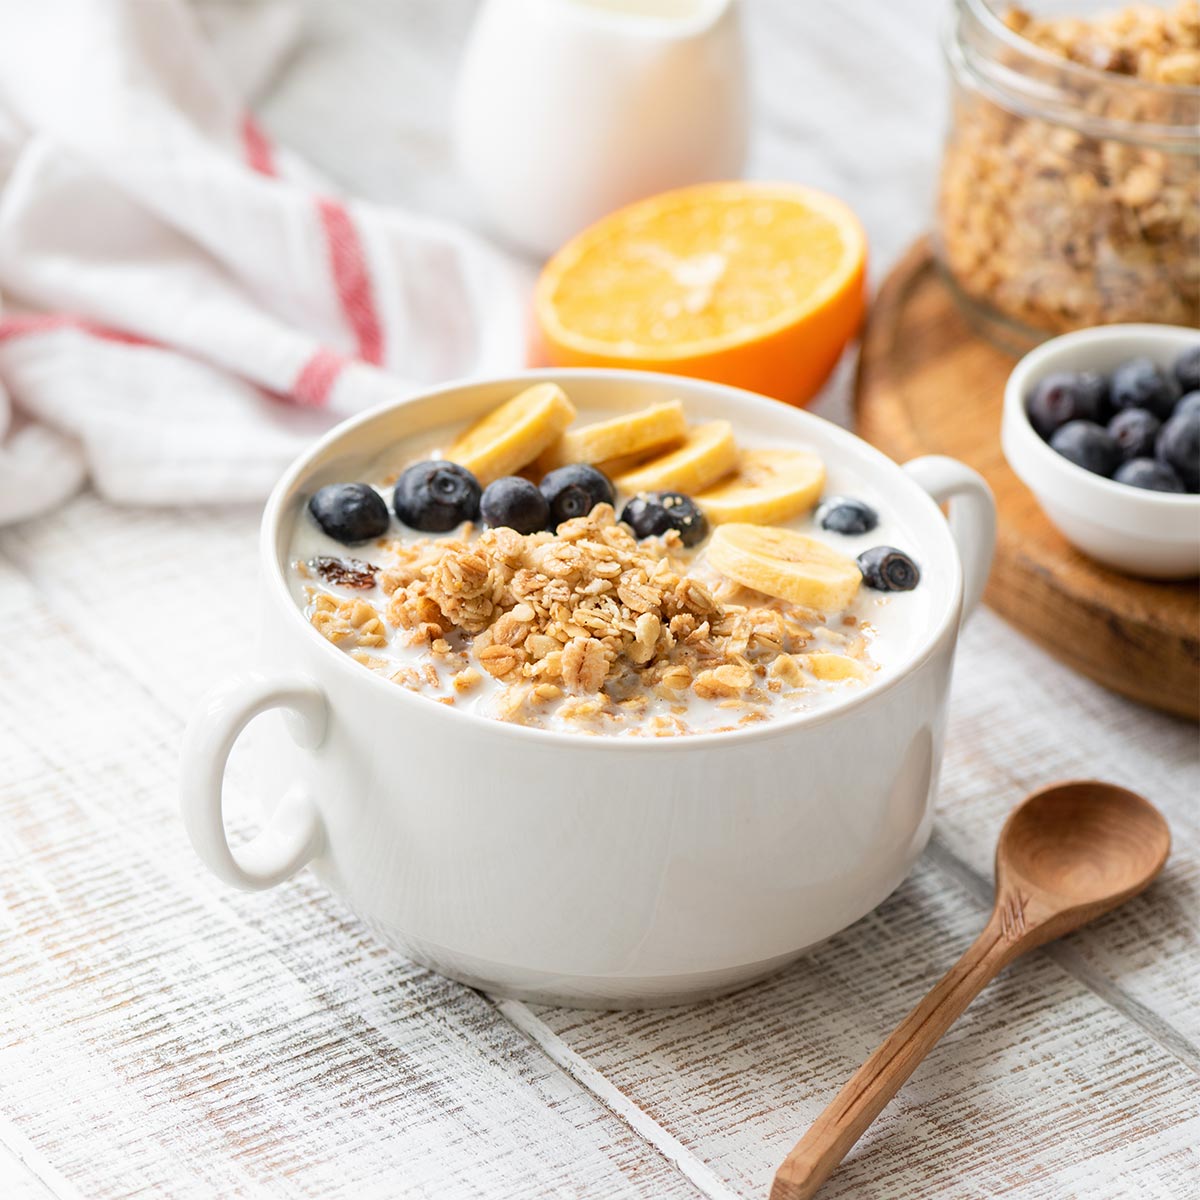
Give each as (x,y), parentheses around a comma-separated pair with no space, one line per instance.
(1155,535)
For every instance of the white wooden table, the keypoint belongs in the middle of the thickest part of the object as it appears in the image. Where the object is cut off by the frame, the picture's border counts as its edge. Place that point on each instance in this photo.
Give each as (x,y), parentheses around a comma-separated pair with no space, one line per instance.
(161,1035)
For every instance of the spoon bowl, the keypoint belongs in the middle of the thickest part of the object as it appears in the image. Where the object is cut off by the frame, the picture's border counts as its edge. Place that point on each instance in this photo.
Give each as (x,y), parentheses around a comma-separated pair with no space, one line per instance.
(1083,844)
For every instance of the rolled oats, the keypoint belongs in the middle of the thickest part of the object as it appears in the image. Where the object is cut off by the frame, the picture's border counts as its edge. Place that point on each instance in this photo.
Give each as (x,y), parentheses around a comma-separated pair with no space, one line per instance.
(584,664)
(347,622)
(587,623)
(501,661)
(730,679)
(786,669)
(1052,223)
(465,680)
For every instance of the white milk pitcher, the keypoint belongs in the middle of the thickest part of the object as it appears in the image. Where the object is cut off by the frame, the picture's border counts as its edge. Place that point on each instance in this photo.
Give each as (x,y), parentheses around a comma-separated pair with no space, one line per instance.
(568,109)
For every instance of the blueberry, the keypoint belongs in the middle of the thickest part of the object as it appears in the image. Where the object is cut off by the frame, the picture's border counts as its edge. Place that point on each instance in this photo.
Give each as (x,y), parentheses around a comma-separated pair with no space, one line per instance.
(1096,395)
(1147,473)
(516,503)
(1088,446)
(843,514)
(1067,396)
(1179,447)
(887,569)
(1189,404)
(1138,383)
(573,491)
(436,496)
(652,514)
(1187,370)
(1134,431)
(350,512)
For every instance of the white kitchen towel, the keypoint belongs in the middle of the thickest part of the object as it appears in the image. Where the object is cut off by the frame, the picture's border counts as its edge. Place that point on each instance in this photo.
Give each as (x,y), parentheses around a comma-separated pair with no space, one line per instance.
(184,304)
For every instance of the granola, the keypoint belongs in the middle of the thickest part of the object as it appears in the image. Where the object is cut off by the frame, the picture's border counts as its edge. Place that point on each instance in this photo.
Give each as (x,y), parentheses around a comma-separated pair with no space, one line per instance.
(586,625)
(529,601)
(1056,226)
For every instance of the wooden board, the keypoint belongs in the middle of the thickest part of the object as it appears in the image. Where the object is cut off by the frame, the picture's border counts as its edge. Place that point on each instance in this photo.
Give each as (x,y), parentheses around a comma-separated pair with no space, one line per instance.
(929,384)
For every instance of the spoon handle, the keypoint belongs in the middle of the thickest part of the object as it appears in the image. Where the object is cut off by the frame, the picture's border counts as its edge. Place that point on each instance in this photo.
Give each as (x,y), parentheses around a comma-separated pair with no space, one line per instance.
(814,1157)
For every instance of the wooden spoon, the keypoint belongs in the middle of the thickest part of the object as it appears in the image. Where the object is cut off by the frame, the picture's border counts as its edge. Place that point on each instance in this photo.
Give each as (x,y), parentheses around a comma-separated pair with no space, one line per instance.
(1066,854)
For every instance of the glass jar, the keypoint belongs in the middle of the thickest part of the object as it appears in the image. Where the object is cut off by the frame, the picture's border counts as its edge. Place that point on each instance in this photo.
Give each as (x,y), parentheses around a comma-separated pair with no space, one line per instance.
(1070,191)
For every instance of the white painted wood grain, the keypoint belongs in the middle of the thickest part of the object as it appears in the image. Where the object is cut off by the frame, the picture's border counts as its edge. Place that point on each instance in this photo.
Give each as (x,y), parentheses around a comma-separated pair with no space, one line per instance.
(1020,721)
(159,1033)
(731,1083)
(524,1018)
(25,1173)
(1042,1090)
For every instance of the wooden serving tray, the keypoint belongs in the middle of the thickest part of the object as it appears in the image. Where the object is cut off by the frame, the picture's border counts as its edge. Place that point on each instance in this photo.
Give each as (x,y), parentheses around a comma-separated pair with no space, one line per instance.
(930,384)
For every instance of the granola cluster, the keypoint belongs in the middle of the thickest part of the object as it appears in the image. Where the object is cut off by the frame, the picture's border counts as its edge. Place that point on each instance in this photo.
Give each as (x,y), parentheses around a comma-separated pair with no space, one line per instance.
(1055,228)
(1142,40)
(587,622)
(347,623)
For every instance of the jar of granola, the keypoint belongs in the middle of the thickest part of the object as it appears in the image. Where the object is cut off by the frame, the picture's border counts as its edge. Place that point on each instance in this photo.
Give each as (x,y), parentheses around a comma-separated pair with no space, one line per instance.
(1070,185)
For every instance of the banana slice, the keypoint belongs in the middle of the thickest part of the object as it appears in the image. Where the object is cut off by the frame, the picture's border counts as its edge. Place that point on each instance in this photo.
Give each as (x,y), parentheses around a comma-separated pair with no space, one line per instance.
(708,453)
(785,564)
(769,486)
(834,667)
(614,467)
(633,434)
(514,434)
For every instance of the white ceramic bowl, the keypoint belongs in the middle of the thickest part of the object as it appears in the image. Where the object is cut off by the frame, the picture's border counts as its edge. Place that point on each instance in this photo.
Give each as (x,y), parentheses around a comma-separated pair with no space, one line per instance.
(592,870)
(1139,532)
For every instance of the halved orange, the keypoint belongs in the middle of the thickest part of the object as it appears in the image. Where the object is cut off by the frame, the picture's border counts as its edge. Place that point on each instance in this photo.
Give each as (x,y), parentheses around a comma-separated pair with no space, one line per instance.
(758,285)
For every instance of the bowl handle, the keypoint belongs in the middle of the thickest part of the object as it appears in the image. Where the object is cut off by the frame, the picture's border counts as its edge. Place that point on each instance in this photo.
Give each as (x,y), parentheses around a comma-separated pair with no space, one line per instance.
(972,513)
(294,834)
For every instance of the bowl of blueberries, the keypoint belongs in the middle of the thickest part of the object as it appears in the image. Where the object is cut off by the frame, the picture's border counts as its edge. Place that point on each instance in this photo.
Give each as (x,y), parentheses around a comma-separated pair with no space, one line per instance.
(1103,426)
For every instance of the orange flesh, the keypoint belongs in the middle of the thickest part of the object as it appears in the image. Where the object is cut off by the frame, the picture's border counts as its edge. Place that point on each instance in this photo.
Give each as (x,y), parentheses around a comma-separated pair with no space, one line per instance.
(699,272)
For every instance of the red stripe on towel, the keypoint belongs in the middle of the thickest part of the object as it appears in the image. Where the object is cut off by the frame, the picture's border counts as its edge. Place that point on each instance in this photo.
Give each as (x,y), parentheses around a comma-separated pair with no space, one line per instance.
(311,386)
(347,261)
(11,327)
(256,146)
(317,377)
(349,266)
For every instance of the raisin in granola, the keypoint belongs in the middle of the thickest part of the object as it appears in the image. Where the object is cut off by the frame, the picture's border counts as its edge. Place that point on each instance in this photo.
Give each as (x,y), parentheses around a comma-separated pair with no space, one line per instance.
(345,572)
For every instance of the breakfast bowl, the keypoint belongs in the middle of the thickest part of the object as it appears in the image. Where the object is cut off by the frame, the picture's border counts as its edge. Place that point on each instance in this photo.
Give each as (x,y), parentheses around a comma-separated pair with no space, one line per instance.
(1134,530)
(574,866)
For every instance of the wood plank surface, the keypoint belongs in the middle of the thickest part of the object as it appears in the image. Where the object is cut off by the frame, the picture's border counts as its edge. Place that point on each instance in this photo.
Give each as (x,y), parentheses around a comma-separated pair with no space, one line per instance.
(161,1035)
(24,1172)
(1042,1090)
(928,383)
(727,1084)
